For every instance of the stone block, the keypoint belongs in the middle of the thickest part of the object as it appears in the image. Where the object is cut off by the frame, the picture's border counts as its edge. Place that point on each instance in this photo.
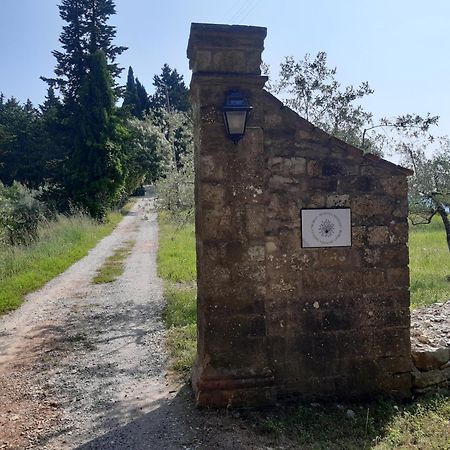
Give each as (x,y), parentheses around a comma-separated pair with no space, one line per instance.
(314,168)
(234,300)
(223,60)
(372,206)
(256,254)
(359,235)
(318,281)
(212,168)
(339,258)
(395,364)
(317,200)
(202,61)
(431,358)
(338,200)
(213,197)
(397,278)
(396,186)
(386,256)
(352,344)
(398,233)
(378,235)
(393,341)
(254,222)
(430,378)
(401,209)
(397,384)
(372,280)
(298,166)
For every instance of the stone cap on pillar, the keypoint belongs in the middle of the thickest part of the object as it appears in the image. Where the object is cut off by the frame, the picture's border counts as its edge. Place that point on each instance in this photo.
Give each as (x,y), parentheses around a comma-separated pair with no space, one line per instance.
(233,49)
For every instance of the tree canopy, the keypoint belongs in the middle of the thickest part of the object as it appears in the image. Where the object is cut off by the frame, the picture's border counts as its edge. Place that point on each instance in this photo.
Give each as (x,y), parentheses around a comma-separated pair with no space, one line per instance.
(85,32)
(171,92)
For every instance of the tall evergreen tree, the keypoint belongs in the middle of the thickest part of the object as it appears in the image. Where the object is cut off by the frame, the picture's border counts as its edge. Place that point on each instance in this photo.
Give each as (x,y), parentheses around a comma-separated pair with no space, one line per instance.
(170,91)
(143,98)
(135,100)
(19,138)
(95,166)
(86,32)
(85,72)
(130,98)
(53,142)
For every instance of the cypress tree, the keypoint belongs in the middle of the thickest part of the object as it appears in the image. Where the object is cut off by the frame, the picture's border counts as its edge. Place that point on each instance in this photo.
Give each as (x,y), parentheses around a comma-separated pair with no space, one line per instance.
(143,99)
(95,164)
(135,100)
(130,98)
(170,91)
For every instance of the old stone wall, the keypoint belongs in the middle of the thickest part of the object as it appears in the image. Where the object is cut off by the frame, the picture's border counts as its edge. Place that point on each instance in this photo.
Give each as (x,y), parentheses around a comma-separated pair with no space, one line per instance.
(277,321)
(337,318)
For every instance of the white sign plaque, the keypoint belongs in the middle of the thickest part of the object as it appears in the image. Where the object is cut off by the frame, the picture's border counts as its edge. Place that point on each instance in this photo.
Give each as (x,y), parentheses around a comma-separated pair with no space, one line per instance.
(326,227)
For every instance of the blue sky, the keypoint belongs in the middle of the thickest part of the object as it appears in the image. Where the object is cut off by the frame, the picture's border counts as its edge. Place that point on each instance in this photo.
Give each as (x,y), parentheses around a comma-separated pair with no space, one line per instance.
(401,47)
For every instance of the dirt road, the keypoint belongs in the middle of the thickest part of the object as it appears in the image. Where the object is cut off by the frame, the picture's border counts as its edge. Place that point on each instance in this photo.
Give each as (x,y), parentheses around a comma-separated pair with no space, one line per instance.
(83,365)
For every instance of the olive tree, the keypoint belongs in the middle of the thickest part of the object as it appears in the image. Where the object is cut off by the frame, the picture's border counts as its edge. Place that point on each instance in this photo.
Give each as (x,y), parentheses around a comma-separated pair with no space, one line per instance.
(429,187)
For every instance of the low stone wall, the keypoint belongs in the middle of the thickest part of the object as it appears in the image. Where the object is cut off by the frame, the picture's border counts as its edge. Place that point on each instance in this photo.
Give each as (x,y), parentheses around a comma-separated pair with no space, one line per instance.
(430,347)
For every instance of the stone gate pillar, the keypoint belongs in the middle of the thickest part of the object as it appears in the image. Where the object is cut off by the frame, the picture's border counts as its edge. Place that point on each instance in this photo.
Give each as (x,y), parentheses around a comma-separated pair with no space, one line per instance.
(302,257)
(232,364)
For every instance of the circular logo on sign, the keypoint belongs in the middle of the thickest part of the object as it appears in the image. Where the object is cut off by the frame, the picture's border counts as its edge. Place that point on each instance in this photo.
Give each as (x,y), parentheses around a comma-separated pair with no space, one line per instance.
(326,228)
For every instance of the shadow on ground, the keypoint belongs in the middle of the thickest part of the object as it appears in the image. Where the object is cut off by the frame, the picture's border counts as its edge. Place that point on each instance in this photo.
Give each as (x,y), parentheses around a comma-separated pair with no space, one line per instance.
(177,424)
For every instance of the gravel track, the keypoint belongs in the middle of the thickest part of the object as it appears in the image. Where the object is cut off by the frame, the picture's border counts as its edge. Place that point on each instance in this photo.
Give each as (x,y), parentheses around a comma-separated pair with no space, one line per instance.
(82,366)
(96,350)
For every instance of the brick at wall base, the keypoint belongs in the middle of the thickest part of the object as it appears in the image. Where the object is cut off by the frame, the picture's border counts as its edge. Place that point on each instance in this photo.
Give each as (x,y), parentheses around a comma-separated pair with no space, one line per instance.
(226,391)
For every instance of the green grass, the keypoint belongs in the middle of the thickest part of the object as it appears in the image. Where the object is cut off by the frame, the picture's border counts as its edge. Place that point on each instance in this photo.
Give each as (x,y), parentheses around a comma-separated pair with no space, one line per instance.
(182,345)
(429,264)
(423,424)
(24,269)
(114,265)
(176,256)
(176,265)
(181,307)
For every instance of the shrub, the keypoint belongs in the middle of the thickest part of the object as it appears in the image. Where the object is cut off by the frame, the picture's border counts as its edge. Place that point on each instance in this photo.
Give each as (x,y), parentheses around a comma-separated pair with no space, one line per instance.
(20,214)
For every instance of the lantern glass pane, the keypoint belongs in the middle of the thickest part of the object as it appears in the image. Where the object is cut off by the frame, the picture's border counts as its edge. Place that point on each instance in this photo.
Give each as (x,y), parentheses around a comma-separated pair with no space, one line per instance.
(236,121)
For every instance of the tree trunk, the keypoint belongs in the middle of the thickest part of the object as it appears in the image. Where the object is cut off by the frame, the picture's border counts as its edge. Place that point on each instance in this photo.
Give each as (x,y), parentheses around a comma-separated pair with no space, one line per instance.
(444,216)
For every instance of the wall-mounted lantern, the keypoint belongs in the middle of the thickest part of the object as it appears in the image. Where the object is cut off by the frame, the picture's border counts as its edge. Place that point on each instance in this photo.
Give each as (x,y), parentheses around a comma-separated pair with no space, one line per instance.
(235,114)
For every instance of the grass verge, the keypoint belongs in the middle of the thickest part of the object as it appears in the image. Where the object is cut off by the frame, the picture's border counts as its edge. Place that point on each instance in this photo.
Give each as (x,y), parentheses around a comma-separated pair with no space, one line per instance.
(423,424)
(176,266)
(429,264)
(114,265)
(176,256)
(24,269)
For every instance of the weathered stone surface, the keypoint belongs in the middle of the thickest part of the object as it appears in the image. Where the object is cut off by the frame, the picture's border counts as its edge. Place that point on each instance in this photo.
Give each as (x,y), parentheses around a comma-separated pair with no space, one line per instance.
(430,378)
(431,359)
(277,321)
(430,346)
(430,328)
